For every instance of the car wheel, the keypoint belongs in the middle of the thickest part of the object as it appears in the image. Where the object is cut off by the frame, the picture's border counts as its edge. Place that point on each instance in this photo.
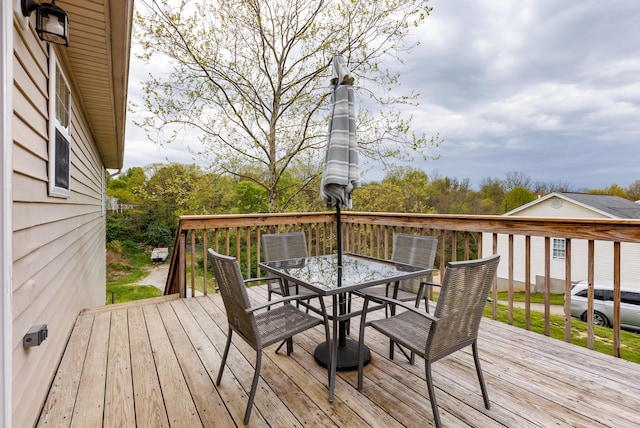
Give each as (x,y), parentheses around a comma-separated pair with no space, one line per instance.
(598,319)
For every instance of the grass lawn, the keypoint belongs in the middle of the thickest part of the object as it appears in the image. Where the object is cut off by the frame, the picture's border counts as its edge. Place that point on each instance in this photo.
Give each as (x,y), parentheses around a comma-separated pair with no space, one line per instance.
(124,293)
(519,296)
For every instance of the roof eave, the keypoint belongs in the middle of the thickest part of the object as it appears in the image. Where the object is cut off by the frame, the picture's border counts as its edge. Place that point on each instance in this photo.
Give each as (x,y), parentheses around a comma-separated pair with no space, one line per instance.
(98,55)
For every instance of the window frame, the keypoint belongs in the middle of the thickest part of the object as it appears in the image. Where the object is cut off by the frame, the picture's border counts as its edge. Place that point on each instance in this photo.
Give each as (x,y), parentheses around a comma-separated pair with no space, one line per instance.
(559,252)
(59,172)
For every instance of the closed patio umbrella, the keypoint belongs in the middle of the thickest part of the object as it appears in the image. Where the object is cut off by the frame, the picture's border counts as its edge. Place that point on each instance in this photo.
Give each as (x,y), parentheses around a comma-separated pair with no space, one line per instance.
(340,177)
(341,174)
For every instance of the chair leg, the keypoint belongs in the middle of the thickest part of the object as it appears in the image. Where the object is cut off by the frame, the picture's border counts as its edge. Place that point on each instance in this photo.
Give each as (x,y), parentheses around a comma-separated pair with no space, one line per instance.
(483,387)
(432,394)
(348,321)
(254,387)
(224,357)
(363,324)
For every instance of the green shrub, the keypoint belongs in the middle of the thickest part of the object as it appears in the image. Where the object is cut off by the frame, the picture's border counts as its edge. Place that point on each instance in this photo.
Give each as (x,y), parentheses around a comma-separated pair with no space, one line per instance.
(158,235)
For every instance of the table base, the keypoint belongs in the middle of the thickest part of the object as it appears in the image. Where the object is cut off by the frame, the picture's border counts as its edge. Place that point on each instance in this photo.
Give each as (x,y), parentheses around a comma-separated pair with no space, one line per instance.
(347,355)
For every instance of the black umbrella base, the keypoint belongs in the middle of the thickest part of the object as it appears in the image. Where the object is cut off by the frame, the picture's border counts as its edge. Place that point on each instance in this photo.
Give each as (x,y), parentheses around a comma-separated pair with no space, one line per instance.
(347,355)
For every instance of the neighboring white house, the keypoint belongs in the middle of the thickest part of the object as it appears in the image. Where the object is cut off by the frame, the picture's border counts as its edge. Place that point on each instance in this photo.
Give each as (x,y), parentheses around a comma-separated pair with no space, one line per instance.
(568,205)
(63,118)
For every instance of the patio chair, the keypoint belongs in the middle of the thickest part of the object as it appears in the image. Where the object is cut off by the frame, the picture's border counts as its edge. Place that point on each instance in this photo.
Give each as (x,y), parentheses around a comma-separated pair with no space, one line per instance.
(256,325)
(412,250)
(284,246)
(453,325)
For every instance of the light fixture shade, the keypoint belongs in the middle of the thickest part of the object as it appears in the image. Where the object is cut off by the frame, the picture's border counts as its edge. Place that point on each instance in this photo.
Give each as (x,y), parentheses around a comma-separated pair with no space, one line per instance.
(52,24)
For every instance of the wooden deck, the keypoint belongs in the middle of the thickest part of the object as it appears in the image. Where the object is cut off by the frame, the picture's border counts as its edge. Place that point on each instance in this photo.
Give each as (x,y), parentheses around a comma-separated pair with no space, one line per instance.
(155,364)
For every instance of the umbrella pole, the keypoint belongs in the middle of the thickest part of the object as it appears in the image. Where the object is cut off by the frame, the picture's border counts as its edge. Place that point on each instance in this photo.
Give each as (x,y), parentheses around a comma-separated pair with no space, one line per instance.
(342,303)
(347,352)
(339,235)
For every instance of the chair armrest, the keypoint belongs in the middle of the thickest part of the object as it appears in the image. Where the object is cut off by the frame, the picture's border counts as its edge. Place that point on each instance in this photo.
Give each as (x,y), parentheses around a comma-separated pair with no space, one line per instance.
(411,308)
(266,278)
(275,302)
(433,284)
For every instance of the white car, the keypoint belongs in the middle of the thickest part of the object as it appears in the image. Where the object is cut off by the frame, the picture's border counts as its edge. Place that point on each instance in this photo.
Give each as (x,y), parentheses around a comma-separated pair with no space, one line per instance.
(603,304)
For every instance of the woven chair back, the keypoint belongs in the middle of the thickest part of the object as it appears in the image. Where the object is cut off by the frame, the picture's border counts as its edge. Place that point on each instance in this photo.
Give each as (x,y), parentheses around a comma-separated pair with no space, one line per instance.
(284,246)
(461,302)
(414,250)
(234,295)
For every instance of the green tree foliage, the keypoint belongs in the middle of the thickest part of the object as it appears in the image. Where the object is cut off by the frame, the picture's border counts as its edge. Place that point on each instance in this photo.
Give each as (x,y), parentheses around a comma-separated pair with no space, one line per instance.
(614,190)
(126,187)
(490,196)
(449,195)
(251,197)
(379,197)
(252,78)
(158,235)
(517,197)
(402,190)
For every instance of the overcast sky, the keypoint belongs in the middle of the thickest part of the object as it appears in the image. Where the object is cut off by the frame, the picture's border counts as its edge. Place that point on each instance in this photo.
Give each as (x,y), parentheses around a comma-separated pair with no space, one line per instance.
(548,88)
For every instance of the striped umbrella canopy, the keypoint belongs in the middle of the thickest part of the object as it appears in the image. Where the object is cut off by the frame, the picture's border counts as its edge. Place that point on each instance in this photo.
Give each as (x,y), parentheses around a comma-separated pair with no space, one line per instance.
(341,173)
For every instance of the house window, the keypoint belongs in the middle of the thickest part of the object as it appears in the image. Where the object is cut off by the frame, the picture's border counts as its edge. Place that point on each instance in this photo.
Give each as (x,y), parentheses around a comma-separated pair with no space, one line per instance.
(559,248)
(59,131)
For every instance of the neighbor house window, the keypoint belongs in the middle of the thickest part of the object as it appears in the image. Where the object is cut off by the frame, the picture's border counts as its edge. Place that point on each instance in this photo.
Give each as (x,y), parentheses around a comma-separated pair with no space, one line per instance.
(559,248)
(59,131)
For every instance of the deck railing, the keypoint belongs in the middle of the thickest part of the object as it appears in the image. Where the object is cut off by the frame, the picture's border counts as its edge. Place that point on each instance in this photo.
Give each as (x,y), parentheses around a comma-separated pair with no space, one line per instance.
(460,237)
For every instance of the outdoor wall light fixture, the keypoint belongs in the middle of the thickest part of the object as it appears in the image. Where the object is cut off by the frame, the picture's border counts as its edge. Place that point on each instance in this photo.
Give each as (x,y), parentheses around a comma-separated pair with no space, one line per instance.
(52,24)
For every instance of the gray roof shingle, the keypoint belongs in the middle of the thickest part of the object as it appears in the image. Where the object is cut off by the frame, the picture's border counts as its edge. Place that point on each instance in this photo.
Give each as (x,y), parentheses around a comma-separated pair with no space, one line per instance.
(610,204)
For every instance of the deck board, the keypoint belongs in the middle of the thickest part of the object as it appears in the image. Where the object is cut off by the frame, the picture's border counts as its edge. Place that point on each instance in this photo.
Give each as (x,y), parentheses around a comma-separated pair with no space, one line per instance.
(155,364)
(148,402)
(89,407)
(119,403)
(177,398)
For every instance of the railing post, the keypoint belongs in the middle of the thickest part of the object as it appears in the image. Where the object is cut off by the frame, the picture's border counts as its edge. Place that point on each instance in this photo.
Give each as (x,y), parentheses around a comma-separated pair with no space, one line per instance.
(182,266)
(567,290)
(547,285)
(616,299)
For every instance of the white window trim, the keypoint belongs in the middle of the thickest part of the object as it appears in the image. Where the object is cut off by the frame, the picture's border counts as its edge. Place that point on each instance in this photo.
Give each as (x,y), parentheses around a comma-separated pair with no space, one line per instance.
(564,249)
(55,190)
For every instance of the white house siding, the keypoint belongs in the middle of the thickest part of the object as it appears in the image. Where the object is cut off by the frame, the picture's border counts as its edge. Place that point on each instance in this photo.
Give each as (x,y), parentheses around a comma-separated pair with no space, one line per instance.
(603,262)
(58,244)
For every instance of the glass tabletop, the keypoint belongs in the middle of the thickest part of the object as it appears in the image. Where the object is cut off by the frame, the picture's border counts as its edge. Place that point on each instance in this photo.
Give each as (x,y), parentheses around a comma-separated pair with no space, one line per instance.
(322,274)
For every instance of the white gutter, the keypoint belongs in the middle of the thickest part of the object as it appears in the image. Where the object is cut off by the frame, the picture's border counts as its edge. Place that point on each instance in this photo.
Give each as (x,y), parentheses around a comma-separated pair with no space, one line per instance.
(6,199)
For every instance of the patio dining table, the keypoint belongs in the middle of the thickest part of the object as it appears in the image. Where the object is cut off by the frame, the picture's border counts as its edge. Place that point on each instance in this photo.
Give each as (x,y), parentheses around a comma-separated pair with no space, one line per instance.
(325,276)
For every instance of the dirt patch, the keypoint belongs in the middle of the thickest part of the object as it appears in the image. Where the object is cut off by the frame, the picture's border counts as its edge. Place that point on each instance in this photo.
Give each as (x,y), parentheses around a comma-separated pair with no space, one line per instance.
(117,266)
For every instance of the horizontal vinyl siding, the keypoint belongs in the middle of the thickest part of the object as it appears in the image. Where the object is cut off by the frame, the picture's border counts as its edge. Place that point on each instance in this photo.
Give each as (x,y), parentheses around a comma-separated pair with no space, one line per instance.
(603,259)
(58,243)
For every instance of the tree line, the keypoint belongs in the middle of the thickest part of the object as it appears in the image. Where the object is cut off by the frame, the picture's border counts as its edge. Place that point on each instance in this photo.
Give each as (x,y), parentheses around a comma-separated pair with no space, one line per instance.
(159,194)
